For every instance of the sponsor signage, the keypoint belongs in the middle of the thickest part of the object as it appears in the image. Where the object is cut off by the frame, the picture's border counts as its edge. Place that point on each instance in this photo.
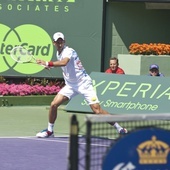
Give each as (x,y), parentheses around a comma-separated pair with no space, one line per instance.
(120,94)
(22,36)
(32,23)
(144,149)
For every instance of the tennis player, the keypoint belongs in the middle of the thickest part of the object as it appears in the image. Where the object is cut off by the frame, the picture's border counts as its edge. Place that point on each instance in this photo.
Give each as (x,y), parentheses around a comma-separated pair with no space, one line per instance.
(77,81)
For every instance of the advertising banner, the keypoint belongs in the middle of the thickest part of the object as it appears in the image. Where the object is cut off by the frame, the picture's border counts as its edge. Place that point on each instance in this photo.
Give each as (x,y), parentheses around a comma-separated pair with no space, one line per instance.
(121,94)
(142,149)
(32,23)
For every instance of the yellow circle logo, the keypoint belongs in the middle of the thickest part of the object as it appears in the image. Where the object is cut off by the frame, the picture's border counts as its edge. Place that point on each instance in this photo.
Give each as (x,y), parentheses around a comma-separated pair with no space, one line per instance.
(30,37)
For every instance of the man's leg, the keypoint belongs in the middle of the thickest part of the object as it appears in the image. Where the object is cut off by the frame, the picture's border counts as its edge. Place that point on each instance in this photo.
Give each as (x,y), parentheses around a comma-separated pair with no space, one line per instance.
(87,90)
(57,101)
(96,108)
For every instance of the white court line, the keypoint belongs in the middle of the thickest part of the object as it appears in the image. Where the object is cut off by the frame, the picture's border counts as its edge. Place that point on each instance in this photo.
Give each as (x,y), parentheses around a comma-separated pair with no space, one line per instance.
(14,137)
(52,139)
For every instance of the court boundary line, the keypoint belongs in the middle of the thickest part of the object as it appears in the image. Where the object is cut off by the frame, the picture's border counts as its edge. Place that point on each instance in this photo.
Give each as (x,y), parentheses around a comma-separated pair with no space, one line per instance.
(52,139)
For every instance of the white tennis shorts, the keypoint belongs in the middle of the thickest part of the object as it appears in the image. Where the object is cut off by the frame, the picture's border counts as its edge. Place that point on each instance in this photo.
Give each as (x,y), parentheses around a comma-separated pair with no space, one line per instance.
(84,87)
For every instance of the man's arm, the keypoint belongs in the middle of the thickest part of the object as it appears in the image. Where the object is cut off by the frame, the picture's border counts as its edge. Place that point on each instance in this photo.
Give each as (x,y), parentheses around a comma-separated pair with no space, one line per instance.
(60,63)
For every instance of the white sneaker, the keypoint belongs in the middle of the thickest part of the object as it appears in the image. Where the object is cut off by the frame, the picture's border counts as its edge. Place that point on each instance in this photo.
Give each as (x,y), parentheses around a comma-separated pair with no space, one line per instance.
(123,131)
(45,134)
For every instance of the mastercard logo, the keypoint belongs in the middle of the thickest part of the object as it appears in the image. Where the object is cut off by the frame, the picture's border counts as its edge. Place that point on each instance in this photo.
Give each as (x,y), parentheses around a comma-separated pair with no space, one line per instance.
(29,36)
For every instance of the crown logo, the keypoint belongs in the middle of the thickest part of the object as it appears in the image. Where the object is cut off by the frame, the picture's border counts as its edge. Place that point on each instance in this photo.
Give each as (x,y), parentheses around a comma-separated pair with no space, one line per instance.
(153,152)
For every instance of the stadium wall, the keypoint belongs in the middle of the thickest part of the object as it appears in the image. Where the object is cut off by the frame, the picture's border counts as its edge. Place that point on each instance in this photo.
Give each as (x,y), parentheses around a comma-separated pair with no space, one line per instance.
(133,22)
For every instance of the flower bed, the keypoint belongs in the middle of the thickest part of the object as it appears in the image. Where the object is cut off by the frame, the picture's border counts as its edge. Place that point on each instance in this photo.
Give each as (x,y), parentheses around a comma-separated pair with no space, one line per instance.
(25,89)
(149,49)
(31,91)
(29,86)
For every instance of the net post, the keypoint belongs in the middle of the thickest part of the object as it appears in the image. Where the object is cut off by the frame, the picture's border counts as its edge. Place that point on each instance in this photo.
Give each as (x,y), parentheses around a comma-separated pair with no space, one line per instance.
(73,144)
(88,144)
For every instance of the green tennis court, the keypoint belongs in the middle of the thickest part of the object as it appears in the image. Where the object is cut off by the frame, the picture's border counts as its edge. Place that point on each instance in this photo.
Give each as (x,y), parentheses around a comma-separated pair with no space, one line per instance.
(28,120)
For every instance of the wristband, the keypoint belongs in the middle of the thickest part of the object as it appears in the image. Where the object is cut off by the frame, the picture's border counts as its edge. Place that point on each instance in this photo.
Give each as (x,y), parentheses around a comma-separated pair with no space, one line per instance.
(50,63)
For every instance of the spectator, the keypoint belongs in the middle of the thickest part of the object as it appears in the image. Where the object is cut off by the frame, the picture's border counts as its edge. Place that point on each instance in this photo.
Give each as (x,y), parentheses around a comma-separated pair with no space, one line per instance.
(154,70)
(114,66)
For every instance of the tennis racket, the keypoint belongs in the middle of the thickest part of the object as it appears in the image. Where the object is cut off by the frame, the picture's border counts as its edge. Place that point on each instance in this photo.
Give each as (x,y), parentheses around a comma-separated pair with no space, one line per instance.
(22,55)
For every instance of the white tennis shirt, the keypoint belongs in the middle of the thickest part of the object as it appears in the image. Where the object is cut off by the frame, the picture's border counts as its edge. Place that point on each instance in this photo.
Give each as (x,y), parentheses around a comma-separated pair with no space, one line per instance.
(74,71)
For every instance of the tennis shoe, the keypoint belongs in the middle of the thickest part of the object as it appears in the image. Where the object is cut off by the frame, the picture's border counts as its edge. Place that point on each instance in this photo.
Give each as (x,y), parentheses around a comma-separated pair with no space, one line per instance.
(123,131)
(45,134)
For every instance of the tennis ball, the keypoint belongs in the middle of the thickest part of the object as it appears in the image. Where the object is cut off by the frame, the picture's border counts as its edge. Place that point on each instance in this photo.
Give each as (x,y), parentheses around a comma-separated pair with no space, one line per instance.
(93,98)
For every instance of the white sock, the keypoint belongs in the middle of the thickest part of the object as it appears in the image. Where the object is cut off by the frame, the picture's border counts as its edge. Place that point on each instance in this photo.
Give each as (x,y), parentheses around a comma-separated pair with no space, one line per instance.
(50,127)
(117,126)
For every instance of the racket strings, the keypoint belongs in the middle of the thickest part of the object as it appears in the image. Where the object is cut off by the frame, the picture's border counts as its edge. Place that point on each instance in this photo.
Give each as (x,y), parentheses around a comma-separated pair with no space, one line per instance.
(21,55)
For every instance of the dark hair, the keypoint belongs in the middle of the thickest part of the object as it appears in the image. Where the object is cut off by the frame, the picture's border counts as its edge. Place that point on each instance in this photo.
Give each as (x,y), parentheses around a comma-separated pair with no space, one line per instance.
(115,58)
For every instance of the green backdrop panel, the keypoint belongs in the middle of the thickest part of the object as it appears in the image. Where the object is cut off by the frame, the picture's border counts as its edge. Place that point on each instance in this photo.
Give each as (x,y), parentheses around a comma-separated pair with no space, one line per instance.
(32,24)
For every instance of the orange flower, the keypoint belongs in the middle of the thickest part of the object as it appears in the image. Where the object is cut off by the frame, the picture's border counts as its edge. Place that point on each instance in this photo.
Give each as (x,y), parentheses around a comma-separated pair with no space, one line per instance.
(150,49)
